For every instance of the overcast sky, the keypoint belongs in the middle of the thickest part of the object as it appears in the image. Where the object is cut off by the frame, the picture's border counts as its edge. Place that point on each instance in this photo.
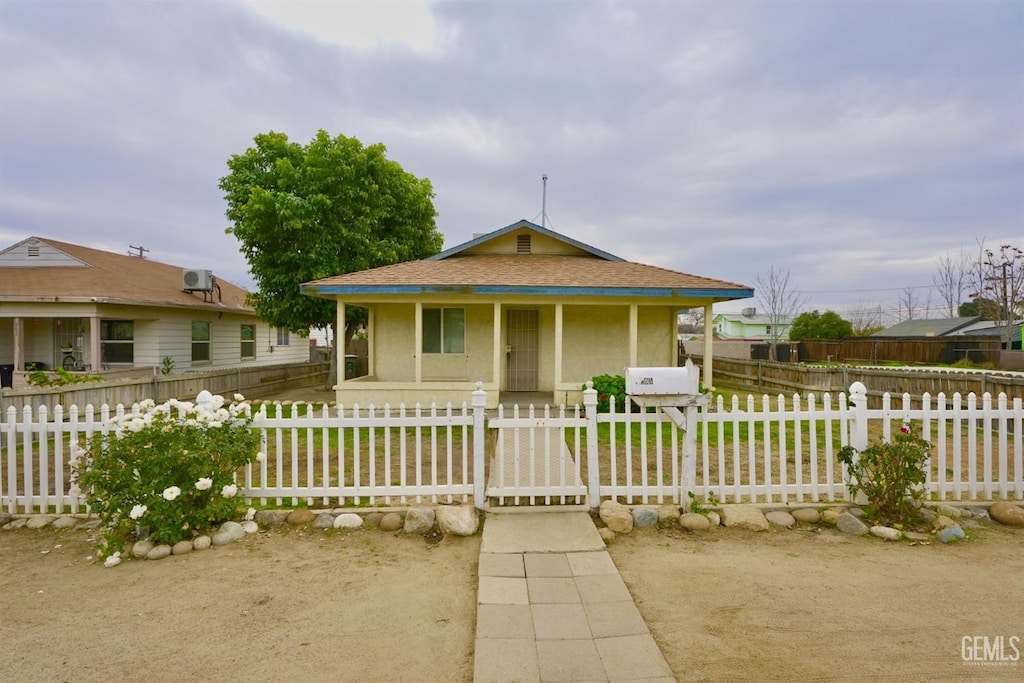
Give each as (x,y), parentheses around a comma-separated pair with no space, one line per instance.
(852,142)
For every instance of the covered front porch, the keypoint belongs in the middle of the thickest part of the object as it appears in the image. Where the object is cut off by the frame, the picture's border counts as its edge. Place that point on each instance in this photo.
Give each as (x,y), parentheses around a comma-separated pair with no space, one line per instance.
(435,351)
(43,342)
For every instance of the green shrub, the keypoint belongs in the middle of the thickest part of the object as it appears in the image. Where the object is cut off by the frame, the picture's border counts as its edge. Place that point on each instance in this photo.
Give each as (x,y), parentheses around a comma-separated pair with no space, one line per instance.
(59,378)
(891,475)
(167,468)
(611,387)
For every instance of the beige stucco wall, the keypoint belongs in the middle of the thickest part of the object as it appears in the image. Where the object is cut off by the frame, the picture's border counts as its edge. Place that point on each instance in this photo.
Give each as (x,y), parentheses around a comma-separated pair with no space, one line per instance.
(595,341)
(656,336)
(394,339)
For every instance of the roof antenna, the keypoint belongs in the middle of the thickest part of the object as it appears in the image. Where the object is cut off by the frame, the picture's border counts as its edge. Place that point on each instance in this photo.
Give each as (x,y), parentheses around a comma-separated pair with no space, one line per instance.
(142,251)
(544,203)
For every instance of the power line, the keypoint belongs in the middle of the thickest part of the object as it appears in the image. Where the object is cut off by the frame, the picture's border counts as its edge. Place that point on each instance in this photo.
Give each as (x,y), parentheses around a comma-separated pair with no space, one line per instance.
(855,291)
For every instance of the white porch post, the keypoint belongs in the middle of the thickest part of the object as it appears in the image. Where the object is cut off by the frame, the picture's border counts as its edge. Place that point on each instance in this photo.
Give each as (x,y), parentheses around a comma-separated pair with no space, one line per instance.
(496,361)
(709,333)
(339,352)
(19,344)
(418,342)
(558,345)
(95,343)
(632,334)
(674,336)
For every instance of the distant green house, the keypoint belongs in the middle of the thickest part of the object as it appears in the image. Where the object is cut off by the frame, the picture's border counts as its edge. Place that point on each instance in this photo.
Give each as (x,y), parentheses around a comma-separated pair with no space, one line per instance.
(748,325)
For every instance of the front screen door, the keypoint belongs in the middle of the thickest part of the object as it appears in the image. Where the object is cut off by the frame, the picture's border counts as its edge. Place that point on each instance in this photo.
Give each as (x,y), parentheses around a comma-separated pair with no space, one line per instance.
(521,369)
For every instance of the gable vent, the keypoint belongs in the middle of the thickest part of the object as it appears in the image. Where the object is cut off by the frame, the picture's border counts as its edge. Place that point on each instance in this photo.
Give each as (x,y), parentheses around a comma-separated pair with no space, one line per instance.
(522,244)
(33,251)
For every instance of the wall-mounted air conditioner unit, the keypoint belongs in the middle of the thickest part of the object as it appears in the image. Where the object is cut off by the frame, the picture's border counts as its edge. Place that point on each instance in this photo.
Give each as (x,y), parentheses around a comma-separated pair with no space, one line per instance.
(193,280)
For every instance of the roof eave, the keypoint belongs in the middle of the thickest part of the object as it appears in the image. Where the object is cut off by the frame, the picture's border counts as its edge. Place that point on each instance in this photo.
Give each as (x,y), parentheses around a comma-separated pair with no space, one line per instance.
(717,294)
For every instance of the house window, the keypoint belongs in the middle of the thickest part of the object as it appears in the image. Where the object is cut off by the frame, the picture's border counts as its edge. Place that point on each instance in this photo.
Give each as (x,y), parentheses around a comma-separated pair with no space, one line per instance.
(444,330)
(768,329)
(117,339)
(200,341)
(248,341)
(282,337)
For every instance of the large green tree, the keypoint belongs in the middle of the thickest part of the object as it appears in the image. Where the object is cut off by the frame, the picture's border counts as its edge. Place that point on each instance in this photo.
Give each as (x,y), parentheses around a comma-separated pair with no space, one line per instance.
(332,206)
(815,325)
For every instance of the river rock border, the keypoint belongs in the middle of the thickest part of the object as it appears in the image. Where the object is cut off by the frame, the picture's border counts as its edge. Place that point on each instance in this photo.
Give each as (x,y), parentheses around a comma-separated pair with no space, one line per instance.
(949,522)
(432,522)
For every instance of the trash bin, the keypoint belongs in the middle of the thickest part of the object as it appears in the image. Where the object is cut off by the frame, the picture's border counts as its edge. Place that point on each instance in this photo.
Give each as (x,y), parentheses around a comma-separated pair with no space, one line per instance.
(351,366)
(7,375)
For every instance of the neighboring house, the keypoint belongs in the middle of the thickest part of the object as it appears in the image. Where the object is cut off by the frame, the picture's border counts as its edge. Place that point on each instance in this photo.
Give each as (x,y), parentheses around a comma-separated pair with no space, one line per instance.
(94,311)
(927,327)
(748,325)
(521,309)
(995,329)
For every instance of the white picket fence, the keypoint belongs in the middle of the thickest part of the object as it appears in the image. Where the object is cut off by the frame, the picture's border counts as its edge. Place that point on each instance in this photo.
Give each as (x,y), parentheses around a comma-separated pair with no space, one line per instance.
(775,450)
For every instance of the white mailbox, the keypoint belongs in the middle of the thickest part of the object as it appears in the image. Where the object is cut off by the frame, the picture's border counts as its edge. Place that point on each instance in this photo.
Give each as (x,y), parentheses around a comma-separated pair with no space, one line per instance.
(660,382)
(665,388)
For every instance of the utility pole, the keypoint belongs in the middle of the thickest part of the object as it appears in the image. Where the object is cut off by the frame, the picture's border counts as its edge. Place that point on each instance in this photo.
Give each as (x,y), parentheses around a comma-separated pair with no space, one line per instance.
(141,251)
(1004,276)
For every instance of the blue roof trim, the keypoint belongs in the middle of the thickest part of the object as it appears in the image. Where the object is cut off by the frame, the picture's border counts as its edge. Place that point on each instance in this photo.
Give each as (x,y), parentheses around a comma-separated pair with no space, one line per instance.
(658,292)
(458,249)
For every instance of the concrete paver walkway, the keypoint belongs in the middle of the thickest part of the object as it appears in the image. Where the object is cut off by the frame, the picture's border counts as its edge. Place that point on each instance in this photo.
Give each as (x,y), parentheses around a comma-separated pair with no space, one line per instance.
(552,606)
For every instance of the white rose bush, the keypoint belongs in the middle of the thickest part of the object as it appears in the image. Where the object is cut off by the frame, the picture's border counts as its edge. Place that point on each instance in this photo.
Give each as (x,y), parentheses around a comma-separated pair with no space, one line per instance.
(168,468)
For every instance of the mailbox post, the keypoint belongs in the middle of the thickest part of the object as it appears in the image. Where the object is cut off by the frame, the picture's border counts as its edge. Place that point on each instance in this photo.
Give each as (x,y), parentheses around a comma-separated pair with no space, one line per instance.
(671,389)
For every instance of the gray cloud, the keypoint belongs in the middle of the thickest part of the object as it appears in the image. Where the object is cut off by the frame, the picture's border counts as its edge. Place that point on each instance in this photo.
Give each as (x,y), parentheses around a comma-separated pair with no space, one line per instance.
(852,142)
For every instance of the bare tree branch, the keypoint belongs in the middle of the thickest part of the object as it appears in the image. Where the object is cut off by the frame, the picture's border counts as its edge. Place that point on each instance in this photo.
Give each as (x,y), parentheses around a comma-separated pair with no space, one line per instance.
(910,304)
(950,278)
(866,318)
(779,302)
(1003,274)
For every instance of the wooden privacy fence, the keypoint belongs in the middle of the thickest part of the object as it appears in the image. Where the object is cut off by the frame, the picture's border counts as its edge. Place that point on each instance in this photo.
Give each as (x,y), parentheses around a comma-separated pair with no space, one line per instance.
(779,449)
(789,378)
(254,381)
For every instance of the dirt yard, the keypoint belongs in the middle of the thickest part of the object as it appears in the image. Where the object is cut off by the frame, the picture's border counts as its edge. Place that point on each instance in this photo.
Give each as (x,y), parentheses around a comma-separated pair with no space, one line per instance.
(367,605)
(303,605)
(823,606)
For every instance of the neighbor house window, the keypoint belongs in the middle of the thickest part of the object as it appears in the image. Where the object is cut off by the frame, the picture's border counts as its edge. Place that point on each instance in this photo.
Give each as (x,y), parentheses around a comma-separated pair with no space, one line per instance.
(444,330)
(282,337)
(768,330)
(200,341)
(117,338)
(248,341)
